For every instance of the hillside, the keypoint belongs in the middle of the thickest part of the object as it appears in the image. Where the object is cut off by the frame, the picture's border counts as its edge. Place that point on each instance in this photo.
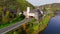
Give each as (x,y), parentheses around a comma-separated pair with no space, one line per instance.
(9,8)
(22,4)
(54,6)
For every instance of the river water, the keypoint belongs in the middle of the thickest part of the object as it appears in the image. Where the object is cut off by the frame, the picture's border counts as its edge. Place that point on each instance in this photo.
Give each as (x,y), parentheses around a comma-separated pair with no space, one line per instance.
(53,26)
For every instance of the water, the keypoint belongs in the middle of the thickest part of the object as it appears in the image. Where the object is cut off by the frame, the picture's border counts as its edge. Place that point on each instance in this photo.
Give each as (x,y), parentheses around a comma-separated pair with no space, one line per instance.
(53,26)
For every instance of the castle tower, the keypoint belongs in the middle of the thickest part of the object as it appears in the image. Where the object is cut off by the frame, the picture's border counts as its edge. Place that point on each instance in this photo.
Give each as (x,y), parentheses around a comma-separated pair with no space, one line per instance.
(28,10)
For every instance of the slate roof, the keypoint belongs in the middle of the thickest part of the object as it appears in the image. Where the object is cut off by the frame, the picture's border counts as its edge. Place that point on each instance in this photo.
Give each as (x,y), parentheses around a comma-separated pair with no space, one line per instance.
(35,11)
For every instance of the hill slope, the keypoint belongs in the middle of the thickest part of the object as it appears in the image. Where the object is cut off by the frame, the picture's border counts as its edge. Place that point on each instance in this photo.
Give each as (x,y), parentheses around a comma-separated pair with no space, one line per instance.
(22,4)
(55,6)
(13,5)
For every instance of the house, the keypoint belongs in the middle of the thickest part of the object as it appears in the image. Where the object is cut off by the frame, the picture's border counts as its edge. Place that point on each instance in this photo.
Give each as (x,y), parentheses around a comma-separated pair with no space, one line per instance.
(36,13)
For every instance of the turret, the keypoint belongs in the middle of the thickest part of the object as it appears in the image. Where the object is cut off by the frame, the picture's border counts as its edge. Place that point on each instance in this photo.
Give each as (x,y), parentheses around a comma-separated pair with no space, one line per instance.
(28,10)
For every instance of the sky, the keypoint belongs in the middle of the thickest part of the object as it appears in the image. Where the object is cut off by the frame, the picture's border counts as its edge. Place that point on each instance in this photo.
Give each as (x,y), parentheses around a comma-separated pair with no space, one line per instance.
(42,2)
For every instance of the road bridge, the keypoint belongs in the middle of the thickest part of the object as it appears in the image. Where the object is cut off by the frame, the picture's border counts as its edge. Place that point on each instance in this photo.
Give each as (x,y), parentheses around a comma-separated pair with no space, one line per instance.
(16,25)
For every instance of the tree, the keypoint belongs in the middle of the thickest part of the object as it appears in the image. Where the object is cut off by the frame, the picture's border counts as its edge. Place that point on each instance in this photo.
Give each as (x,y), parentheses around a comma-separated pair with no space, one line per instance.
(13,4)
(44,9)
(6,17)
(1,14)
(15,32)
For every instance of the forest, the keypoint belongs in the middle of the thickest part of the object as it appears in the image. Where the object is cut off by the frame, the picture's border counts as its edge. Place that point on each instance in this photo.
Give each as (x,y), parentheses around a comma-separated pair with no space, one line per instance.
(10,9)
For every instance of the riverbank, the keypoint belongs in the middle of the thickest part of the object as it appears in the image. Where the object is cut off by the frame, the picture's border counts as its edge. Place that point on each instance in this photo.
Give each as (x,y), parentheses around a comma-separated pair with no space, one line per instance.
(41,25)
(53,26)
(44,22)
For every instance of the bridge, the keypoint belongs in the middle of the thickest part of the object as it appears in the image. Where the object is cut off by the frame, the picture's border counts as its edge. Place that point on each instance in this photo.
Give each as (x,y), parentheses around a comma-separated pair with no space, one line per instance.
(16,25)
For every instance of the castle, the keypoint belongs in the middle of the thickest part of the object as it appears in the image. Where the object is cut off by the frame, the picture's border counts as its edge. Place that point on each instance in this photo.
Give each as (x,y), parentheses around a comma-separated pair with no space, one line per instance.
(36,13)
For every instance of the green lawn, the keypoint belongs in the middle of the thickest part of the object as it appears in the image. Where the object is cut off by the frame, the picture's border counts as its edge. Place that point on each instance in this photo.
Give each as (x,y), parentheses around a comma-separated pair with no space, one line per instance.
(15,20)
(44,22)
(46,19)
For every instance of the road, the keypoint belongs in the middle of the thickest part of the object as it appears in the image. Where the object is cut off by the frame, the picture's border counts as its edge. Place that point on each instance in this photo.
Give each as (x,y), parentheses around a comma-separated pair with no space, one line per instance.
(16,25)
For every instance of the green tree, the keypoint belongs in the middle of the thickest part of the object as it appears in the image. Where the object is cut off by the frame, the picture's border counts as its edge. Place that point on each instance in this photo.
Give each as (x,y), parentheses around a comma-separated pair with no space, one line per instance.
(15,32)
(1,14)
(44,9)
(6,17)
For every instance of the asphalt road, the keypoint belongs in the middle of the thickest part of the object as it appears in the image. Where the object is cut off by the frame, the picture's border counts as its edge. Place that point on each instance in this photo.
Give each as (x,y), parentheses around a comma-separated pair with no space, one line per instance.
(16,25)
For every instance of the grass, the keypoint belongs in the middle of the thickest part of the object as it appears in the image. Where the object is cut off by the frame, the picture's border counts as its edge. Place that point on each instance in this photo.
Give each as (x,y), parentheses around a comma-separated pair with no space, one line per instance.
(21,17)
(33,27)
(44,22)
(46,19)
(33,20)
(30,26)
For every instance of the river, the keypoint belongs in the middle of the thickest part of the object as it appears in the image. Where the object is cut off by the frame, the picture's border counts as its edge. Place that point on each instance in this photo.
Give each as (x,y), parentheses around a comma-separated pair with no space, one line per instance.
(53,26)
